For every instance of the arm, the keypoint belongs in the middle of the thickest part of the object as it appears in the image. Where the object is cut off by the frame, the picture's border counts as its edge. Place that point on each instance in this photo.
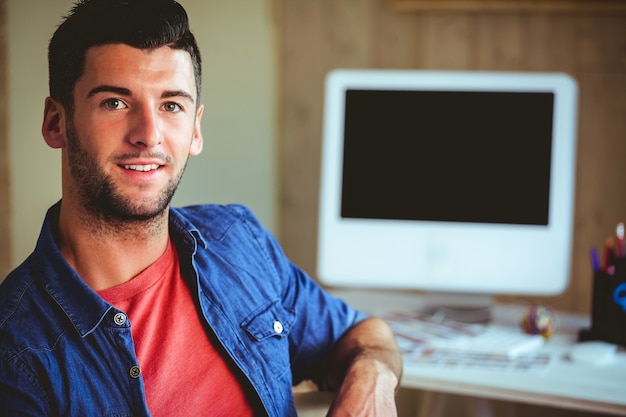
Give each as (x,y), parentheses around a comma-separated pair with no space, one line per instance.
(365,369)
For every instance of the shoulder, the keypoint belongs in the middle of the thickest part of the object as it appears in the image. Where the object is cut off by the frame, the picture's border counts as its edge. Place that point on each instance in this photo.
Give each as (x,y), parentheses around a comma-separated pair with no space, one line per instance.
(220,223)
(231,236)
(16,291)
(24,304)
(231,231)
(215,217)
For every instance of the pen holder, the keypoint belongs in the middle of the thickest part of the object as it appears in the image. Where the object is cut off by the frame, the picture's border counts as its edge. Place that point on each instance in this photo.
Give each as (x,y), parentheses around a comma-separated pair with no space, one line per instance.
(608,312)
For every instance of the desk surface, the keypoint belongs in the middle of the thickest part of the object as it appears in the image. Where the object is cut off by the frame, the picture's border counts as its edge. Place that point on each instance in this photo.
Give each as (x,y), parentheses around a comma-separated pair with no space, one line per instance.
(564,384)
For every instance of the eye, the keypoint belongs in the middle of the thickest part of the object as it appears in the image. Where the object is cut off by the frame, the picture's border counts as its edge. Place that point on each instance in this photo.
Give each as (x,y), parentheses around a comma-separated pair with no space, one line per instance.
(172,107)
(114,104)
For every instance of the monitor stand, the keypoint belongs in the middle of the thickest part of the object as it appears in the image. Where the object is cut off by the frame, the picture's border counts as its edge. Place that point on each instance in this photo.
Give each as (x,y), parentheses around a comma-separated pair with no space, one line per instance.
(462,307)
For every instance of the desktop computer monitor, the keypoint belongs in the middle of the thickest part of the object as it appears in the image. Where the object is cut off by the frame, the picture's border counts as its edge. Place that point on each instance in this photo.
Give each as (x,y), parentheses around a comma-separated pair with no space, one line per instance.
(452,182)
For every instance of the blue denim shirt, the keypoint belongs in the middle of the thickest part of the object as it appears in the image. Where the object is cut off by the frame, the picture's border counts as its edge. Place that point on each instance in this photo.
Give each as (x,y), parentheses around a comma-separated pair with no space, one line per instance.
(64,351)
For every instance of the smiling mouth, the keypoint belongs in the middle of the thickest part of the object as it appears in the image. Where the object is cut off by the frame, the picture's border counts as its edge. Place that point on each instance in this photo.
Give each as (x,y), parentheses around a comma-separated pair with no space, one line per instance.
(142,168)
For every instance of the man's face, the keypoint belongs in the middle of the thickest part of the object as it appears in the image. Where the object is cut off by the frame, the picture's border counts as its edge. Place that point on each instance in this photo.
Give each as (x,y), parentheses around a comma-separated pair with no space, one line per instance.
(135,123)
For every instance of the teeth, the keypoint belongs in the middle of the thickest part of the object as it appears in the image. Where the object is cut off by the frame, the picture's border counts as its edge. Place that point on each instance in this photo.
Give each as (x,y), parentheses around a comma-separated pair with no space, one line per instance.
(143,168)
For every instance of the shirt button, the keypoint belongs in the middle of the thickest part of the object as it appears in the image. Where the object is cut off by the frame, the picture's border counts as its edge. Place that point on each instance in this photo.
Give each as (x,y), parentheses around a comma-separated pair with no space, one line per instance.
(135,372)
(120,319)
(278,327)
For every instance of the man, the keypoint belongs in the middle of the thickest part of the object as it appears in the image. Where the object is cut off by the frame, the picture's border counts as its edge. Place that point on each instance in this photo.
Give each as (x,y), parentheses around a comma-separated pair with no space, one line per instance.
(130,307)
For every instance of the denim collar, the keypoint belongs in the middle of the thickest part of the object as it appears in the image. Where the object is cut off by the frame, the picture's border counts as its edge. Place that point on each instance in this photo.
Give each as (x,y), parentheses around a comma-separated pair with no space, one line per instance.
(82,305)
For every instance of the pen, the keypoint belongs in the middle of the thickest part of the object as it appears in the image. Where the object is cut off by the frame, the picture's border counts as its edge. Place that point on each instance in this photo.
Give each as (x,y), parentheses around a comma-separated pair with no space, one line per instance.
(595,260)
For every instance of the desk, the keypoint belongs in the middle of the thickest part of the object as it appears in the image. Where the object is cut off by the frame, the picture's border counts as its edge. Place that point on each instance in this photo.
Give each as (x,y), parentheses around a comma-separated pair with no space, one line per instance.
(564,385)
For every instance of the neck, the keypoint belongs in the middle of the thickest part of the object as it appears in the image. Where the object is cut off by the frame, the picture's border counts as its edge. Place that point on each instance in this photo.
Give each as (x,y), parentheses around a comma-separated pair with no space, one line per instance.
(109,253)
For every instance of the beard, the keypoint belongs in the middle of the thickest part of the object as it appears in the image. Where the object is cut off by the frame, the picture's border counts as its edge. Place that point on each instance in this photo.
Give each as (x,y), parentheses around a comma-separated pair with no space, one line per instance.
(101,200)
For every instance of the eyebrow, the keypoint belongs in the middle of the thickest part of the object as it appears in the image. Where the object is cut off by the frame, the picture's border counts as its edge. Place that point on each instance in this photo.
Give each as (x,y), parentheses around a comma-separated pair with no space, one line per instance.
(108,89)
(178,93)
(126,92)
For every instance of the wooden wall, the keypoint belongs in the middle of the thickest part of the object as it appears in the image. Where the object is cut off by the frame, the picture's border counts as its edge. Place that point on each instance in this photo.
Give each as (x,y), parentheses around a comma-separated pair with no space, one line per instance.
(320,35)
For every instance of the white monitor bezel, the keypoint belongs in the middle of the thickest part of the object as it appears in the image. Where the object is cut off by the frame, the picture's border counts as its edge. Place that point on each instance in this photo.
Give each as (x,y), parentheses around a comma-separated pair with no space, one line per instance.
(437,256)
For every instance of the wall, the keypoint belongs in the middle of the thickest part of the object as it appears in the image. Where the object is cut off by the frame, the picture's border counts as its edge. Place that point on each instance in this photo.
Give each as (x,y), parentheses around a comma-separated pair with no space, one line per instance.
(238,164)
(326,34)
(5,232)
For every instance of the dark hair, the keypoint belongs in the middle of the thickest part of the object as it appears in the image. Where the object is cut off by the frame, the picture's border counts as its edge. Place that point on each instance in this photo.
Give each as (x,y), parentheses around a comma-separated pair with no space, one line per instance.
(144,24)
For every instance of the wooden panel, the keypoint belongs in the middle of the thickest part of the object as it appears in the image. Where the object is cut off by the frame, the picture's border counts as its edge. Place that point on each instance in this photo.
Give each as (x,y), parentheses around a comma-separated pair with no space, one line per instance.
(327,34)
(450,41)
(551,6)
(300,120)
(348,33)
(501,42)
(398,40)
(551,43)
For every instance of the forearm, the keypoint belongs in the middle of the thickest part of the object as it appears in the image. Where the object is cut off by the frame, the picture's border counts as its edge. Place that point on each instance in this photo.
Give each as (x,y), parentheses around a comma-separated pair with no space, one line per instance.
(365,369)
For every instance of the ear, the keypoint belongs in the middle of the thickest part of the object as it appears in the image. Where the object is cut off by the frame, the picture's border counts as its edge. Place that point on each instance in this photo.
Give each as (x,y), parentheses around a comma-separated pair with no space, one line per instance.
(53,127)
(196,143)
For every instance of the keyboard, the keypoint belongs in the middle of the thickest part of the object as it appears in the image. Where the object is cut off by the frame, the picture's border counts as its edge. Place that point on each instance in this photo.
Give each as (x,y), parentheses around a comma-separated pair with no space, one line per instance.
(429,342)
(494,339)
(426,357)
(425,330)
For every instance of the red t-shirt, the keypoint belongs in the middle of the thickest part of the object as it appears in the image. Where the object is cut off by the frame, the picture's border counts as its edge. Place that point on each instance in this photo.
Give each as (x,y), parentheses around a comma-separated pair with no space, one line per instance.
(184,375)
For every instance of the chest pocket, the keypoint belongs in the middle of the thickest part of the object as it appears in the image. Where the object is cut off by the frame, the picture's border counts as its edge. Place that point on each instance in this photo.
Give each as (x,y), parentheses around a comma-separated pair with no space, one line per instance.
(269,328)
(270,321)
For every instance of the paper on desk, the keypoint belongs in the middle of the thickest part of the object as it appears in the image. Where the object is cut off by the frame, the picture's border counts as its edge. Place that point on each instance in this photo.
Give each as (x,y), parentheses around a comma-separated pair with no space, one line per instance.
(424,341)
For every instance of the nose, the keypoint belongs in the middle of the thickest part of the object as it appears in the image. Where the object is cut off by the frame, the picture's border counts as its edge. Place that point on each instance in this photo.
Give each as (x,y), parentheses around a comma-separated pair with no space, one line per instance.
(146,131)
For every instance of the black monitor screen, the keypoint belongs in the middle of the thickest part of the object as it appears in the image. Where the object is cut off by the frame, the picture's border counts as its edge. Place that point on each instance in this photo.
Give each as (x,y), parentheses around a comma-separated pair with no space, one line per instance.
(447,156)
